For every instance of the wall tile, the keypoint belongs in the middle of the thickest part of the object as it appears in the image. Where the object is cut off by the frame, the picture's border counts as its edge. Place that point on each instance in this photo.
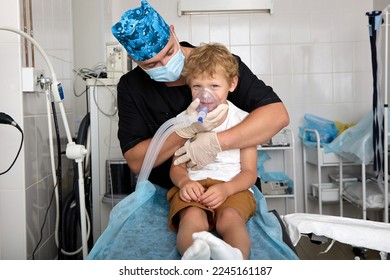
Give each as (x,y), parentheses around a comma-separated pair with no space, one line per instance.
(321,27)
(200,30)
(342,57)
(297,88)
(219,29)
(362,56)
(281,59)
(300,27)
(261,59)
(342,26)
(363,87)
(343,89)
(319,89)
(325,6)
(239,30)
(301,58)
(43,150)
(30,148)
(281,28)
(260,29)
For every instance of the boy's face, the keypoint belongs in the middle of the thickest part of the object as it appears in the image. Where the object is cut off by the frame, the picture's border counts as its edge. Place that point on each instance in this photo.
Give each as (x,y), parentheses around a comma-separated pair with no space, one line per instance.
(217,85)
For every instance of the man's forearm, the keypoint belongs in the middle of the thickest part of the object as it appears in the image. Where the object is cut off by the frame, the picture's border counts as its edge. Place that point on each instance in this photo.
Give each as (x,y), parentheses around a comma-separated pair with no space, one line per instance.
(260,125)
(136,155)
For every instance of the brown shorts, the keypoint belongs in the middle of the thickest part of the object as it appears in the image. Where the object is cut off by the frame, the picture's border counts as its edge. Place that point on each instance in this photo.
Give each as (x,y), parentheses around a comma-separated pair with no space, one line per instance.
(243,202)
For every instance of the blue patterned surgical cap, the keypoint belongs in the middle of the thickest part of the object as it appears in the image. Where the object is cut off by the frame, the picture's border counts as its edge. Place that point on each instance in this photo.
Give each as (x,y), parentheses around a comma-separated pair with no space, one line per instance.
(142,31)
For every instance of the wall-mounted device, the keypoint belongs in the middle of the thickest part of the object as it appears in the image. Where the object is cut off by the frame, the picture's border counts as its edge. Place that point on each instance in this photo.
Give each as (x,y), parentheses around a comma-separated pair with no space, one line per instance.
(32,80)
(117,60)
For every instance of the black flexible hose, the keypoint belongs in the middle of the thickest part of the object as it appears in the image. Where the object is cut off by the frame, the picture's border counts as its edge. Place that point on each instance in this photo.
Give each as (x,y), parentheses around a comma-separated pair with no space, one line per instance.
(65,219)
(59,177)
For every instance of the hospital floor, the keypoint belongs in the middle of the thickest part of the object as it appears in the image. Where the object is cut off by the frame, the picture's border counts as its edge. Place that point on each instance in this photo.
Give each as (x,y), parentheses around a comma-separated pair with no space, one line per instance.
(307,250)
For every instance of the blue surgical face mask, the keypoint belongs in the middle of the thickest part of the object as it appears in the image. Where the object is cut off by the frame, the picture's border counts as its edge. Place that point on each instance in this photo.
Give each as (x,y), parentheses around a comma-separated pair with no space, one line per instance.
(169,72)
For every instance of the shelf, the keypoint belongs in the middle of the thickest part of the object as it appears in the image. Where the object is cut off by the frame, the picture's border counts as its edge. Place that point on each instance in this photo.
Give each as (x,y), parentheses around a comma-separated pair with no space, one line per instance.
(317,157)
(281,150)
(276,148)
(279,195)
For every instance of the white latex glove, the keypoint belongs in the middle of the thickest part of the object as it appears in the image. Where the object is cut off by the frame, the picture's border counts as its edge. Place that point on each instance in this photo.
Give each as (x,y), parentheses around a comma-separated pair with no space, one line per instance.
(200,151)
(210,122)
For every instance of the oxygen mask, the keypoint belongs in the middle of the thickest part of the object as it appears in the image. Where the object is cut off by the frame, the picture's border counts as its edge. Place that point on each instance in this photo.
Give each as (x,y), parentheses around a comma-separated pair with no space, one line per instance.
(207,103)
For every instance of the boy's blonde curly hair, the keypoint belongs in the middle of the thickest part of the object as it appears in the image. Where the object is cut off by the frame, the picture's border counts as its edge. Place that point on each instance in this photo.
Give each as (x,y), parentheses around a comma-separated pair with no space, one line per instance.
(208,59)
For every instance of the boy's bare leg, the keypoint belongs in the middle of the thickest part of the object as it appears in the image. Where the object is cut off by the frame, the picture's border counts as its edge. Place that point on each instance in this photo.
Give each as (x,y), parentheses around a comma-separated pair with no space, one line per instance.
(236,240)
(192,219)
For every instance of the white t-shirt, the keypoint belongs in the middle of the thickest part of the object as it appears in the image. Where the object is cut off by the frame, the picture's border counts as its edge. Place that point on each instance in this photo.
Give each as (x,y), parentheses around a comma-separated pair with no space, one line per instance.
(227,163)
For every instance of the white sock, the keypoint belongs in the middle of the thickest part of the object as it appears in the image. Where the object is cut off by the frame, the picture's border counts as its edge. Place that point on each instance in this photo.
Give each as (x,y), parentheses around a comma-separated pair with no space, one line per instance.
(219,249)
(199,250)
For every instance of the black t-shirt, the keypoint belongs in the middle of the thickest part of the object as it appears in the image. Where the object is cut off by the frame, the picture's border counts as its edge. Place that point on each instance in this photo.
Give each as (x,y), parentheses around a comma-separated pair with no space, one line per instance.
(144,105)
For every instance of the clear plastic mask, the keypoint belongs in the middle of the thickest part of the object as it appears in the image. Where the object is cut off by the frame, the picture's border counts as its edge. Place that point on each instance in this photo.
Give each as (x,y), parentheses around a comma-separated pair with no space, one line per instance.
(207,103)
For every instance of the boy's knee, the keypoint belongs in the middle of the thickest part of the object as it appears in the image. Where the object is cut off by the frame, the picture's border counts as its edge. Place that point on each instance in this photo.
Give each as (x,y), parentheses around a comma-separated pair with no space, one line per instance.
(194,215)
(227,217)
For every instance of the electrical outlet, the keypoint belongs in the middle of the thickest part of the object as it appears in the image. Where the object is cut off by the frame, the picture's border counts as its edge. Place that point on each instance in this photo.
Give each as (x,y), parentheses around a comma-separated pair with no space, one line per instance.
(31,78)
(116,59)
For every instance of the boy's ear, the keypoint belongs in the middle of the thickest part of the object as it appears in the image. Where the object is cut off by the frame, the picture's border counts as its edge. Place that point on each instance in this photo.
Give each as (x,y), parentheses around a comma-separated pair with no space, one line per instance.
(233,84)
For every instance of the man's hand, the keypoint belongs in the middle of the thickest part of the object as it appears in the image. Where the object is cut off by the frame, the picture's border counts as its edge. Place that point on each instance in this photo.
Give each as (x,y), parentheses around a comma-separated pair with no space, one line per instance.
(210,122)
(200,151)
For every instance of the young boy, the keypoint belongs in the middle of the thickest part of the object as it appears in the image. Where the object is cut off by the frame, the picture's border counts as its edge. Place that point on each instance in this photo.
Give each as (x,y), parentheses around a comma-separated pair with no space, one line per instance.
(217,196)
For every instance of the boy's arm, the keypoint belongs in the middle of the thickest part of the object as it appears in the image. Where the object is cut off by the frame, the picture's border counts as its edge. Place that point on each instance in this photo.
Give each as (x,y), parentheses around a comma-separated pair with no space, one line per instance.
(248,175)
(179,174)
(189,190)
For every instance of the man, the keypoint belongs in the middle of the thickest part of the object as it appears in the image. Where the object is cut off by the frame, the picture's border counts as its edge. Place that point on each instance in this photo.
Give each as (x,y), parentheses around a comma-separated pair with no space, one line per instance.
(155,92)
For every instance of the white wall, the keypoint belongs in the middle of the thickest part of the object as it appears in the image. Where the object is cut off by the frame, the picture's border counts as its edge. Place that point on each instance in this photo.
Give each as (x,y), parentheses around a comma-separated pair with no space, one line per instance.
(25,191)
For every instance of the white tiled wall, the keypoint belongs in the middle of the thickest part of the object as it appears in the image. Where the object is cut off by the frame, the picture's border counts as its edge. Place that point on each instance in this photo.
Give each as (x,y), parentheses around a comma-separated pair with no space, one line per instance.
(26,190)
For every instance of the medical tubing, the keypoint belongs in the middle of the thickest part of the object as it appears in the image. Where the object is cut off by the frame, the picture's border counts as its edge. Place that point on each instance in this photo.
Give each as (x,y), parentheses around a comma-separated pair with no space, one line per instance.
(158,140)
